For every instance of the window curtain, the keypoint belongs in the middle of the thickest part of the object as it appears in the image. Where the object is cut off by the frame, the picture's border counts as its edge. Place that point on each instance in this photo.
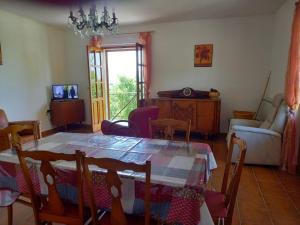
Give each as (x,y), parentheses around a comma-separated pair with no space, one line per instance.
(292,97)
(145,39)
(95,41)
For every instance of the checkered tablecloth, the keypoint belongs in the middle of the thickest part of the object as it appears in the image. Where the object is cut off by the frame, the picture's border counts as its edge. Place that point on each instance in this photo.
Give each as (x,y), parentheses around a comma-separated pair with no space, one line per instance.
(178,174)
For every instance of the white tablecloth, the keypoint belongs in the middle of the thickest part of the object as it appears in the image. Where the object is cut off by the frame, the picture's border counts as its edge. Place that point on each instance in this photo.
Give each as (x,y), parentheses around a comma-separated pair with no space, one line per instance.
(205,216)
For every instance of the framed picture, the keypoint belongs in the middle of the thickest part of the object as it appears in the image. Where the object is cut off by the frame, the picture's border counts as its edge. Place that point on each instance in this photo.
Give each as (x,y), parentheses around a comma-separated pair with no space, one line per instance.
(0,55)
(203,55)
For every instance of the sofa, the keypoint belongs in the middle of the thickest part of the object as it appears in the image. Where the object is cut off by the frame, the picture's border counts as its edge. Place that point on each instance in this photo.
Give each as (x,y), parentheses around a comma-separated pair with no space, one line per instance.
(263,138)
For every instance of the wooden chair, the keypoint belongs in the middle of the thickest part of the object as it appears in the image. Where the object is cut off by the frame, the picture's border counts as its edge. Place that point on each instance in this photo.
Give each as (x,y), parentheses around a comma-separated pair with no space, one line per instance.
(31,133)
(221,204)
(11,135)
(13,139)
(52,208)
(168,126)
(117,215)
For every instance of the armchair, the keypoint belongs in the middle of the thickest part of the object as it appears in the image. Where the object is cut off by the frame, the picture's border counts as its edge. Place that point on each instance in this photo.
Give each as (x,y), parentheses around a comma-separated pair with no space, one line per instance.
(135,126)
(33,131)
(263,138)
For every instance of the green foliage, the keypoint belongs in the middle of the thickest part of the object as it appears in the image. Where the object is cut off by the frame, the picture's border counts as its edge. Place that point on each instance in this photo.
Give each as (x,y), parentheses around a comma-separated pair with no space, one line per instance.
(120,95)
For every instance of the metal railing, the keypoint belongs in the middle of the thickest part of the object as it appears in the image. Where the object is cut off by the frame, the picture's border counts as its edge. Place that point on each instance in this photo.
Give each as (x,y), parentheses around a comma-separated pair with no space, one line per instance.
(134,96)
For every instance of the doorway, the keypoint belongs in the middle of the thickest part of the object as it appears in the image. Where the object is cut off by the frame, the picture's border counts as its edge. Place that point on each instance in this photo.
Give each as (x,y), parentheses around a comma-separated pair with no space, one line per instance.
(121,82)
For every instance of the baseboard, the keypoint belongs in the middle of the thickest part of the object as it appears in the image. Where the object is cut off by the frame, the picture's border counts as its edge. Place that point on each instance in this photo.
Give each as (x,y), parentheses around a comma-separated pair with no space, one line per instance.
(298,169)
(46,133)
(84,128)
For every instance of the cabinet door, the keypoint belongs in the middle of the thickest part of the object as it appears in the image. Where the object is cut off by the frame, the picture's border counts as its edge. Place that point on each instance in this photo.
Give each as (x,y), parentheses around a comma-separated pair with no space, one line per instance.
(185,110)
(205,116)
(164,108)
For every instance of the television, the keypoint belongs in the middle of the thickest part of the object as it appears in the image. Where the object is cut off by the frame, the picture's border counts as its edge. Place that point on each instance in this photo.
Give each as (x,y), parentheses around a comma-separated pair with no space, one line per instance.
(64,91)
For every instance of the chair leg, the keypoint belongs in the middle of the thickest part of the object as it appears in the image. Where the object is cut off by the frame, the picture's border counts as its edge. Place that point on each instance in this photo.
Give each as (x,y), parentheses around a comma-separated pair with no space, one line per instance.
(10,214)
(219,221)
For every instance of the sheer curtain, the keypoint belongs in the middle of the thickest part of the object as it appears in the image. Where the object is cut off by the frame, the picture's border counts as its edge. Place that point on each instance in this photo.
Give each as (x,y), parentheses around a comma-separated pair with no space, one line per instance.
(145,39)
(292,97)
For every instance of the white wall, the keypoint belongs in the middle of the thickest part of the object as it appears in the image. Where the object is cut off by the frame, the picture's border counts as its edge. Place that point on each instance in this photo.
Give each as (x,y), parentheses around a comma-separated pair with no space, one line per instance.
(33,59)
(241,61)
(280,49)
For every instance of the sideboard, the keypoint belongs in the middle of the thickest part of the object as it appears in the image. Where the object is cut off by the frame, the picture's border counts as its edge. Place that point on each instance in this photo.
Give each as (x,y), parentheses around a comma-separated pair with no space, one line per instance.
(203,113)
(67,112)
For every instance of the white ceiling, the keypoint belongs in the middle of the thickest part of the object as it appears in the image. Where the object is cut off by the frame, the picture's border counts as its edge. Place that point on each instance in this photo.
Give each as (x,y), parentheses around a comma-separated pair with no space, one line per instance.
(147,11)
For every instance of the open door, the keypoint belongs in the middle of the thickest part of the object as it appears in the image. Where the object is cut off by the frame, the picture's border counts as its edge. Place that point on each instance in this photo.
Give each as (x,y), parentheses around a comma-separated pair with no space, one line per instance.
(97,87)
(140,68)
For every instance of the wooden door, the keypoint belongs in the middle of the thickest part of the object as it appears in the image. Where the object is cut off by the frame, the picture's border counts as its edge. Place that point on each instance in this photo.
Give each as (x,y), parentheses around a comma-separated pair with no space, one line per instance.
(97,87)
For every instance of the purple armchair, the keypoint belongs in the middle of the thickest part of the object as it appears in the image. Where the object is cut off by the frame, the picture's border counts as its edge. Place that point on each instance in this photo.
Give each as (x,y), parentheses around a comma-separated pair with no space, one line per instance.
(135,126)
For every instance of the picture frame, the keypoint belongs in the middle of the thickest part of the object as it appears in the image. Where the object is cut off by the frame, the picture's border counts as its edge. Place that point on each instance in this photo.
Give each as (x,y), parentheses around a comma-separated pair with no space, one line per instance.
(203,55)
(1,63)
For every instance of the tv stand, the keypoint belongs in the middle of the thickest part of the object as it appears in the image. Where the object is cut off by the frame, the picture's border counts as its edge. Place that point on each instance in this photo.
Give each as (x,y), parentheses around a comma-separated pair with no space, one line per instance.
(64,112)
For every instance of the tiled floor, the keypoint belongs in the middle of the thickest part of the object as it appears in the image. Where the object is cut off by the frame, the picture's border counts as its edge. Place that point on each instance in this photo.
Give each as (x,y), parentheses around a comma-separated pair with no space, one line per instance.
(266,196)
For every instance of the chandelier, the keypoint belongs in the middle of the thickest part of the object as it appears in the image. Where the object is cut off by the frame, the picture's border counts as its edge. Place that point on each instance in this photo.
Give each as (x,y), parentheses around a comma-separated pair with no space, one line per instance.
(92,24)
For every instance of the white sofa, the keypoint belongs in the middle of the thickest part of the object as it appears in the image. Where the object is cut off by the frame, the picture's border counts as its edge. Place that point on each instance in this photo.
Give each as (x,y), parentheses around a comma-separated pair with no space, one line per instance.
(263,138)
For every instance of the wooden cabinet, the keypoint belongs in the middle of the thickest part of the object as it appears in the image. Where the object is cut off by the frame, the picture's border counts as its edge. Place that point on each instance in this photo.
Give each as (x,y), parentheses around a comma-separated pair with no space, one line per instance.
(67,112)
(203,113)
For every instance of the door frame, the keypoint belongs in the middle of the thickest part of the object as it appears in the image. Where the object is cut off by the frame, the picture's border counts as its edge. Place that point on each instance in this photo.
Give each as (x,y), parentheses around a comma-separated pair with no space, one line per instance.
(113,49)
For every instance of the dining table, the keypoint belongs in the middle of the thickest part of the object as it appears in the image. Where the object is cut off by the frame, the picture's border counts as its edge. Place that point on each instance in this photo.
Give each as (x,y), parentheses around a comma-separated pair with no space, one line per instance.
(179,173)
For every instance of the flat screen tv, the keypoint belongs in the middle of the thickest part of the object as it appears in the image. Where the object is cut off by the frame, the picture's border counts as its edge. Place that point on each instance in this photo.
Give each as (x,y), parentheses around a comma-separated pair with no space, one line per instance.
(64,91)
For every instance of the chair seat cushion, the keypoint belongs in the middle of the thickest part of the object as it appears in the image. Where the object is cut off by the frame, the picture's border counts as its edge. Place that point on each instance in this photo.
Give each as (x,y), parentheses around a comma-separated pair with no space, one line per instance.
(8,197)
(216,204)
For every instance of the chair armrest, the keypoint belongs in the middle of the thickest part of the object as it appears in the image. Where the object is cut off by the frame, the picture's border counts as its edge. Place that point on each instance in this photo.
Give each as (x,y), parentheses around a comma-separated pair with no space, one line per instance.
(35,126)
(256,130)
(245,122)
(25,122)
(119,121)
(116,128)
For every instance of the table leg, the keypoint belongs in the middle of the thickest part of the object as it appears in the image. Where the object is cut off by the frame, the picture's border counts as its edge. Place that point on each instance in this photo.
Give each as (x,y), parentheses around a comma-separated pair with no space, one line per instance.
(9,214)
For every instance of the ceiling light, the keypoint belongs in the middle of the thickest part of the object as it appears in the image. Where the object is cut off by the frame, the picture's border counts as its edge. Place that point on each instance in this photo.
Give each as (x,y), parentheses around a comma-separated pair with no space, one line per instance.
(93,24)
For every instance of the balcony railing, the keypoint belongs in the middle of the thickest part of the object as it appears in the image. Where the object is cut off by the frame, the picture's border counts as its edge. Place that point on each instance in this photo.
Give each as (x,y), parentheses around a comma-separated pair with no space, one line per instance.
(121,104)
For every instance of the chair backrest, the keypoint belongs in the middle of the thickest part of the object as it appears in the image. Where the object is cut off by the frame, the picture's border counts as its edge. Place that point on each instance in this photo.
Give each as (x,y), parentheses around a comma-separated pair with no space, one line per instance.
(168,126)
(231,190)
(272,111)
(114,186)
(138,119)
(3,119)
(280,119)
(51,207)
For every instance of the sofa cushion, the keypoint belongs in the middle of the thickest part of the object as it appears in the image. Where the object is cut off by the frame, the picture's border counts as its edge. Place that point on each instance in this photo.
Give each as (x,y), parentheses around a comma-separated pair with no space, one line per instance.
(276,102)
(265,125)
(280,119)
(270,118)
(277,99)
